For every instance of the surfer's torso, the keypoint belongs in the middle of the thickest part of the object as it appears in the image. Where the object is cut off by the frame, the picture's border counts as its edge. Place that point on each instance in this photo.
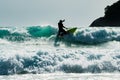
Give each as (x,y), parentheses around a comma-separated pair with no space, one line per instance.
(60,26)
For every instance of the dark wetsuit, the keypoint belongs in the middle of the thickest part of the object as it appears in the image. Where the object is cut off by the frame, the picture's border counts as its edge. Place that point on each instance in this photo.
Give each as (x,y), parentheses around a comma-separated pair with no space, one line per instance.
(61,30)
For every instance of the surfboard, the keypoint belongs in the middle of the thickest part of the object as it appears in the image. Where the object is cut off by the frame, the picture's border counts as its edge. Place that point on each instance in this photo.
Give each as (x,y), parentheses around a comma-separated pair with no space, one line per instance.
(69,31)
(72,30)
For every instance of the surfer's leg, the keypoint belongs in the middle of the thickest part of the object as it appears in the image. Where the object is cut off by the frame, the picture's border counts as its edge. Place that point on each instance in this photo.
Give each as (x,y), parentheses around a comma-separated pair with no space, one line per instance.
(58,33)
(64,32)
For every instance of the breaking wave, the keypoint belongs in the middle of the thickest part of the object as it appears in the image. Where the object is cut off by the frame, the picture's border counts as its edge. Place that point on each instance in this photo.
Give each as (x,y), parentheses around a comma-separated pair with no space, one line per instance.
(37,31)
(94,36)
(82,35)
(24,50)
(71,61)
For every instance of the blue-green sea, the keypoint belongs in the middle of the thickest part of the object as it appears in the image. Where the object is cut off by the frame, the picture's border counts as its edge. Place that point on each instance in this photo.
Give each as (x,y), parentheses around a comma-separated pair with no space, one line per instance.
(35,53)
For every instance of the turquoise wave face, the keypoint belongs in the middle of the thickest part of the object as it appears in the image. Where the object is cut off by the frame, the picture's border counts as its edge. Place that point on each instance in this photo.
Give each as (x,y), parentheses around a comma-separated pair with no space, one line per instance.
(81,36)
(37,31)
(12,36)
(4,33)
(32,32)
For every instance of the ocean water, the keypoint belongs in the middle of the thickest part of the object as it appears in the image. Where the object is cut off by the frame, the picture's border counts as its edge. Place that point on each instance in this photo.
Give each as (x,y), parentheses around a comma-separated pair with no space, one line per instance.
(60,76)
(34,53)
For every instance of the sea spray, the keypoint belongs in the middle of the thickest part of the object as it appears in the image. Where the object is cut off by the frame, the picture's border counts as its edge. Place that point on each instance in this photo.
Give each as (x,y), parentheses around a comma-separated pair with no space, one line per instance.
(62,60)
(88,50)
(81,36)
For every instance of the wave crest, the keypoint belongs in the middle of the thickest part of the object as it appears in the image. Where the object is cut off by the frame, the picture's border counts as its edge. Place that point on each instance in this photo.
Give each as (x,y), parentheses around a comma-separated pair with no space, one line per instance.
(38,31)
(81,36)
(51,61)
(93,36)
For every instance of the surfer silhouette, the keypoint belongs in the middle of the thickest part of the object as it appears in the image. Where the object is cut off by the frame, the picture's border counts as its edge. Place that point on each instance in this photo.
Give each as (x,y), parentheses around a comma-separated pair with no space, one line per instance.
(61,27)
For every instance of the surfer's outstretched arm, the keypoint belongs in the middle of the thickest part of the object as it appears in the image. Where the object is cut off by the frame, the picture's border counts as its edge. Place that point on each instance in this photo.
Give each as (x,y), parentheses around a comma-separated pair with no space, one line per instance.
(65,27)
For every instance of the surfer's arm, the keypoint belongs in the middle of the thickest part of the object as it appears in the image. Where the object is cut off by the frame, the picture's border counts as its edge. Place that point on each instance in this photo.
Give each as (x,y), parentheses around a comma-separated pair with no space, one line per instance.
(65,27)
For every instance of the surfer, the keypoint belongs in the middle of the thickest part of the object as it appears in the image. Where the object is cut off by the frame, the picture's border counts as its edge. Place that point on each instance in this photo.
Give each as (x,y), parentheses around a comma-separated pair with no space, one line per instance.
(61,30)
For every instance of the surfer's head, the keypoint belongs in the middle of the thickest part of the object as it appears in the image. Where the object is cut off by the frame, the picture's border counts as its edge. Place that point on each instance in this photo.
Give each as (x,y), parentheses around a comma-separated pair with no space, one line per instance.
(62,21)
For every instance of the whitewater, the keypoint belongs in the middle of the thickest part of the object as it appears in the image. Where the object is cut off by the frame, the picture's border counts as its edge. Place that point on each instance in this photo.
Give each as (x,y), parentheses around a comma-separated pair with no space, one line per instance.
(34,53)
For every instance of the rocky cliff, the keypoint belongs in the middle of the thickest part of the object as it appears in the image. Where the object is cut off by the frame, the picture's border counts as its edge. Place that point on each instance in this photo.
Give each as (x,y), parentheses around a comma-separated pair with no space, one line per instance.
(111,17)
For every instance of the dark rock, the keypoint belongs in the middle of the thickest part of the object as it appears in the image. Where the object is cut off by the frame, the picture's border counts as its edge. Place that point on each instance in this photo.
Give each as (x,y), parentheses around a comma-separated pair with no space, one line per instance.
(111,17)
